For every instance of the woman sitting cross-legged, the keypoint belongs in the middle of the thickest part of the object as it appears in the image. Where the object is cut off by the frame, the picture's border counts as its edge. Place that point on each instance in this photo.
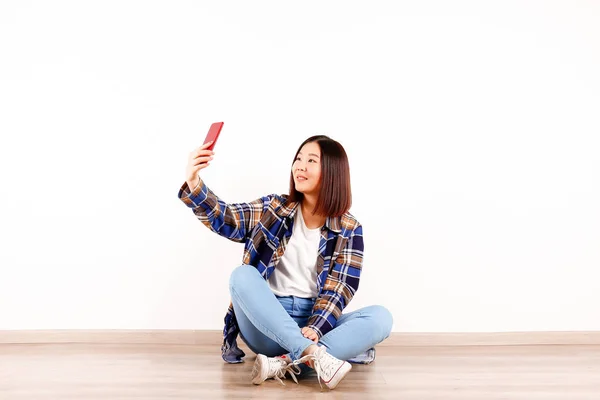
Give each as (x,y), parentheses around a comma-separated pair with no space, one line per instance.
(301,267)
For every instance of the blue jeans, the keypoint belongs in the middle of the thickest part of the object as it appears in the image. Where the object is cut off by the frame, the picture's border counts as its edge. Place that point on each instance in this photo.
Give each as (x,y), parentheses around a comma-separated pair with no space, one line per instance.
(271,325)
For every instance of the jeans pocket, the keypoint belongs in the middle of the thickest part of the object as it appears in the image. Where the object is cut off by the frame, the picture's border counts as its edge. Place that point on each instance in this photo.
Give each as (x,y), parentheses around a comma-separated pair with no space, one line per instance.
(287,303)
(297,307)
(304,308)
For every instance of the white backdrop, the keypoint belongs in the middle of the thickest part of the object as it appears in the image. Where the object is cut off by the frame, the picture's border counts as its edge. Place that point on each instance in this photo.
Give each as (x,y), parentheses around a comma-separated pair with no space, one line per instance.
(472,132)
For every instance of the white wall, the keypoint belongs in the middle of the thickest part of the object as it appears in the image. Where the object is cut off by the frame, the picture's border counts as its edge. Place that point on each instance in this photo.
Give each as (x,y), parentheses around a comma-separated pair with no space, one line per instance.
(472,131)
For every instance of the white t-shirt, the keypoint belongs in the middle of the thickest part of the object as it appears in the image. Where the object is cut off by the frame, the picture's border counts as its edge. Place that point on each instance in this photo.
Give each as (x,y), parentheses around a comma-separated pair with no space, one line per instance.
(296,273)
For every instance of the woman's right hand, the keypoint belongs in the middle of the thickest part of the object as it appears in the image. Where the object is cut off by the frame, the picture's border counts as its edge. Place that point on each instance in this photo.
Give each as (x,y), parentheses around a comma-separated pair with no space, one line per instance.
(197,160)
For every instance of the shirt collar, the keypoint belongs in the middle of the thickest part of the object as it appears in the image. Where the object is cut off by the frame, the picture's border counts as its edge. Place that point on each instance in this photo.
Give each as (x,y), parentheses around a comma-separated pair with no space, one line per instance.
(288,210)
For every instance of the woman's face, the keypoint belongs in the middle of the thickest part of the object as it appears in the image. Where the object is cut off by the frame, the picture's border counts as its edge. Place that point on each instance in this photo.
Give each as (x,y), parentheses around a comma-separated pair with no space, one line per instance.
(306,169)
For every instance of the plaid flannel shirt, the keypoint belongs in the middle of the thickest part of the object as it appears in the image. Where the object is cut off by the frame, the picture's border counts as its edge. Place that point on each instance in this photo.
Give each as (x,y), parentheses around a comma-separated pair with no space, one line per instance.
(265,226)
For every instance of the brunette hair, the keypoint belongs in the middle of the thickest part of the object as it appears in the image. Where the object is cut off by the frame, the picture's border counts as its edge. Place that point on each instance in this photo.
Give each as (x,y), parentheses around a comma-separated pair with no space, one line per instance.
(335,194)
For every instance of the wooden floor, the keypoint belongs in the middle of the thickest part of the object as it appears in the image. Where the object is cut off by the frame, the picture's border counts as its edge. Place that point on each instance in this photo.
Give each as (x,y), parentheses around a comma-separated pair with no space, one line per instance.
(146,371)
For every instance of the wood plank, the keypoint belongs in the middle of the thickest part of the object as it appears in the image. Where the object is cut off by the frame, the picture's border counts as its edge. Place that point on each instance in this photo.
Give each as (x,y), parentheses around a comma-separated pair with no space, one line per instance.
(171,371)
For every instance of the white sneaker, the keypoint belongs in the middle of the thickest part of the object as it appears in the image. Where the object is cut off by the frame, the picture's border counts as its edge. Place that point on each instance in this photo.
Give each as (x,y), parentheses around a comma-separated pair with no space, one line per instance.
(273,367)
(329,369)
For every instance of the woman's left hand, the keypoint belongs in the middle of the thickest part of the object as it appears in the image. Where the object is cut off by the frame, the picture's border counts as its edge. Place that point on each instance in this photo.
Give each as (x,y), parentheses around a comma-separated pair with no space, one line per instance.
(310,334)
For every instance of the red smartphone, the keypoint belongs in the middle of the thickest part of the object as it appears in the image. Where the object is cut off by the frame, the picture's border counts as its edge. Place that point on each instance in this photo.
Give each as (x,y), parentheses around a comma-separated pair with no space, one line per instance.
(213,134)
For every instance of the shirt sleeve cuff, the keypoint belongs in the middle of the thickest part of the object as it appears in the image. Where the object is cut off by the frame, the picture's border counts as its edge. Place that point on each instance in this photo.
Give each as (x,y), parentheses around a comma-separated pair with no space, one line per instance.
(193,198)
(319,325)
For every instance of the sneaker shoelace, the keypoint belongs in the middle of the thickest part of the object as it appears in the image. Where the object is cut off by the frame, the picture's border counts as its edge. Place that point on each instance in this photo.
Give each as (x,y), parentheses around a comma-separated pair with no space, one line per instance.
(279,369)
(316,360)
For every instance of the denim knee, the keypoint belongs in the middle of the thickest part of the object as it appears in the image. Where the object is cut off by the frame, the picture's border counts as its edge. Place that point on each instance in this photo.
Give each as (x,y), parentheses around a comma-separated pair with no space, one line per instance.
(240,275)
(382,319)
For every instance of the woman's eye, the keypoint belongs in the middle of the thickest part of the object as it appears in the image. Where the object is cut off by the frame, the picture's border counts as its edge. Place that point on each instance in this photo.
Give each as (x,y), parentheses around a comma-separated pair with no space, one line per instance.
(311,160)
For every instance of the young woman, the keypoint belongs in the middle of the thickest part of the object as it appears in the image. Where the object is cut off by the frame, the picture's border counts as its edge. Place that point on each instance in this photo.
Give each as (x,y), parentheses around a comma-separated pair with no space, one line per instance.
(301,267)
